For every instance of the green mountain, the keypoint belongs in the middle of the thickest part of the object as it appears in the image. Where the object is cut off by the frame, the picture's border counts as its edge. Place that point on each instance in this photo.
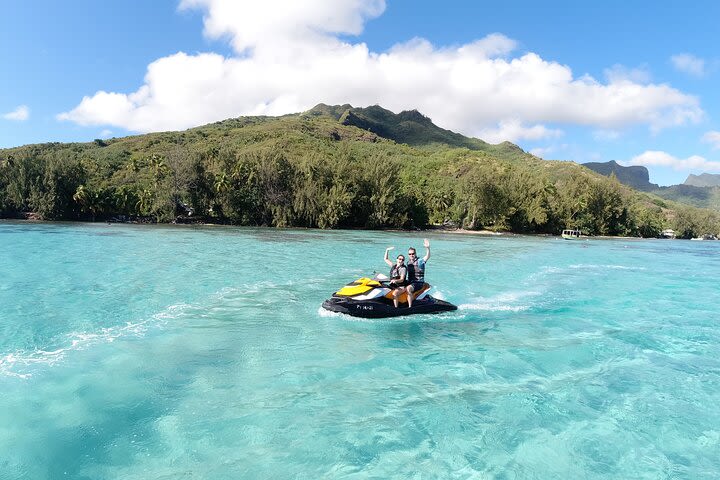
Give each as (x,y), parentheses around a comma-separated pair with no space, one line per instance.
(637,177)
(701,197)
(409,127)
(332,166)
(703,180)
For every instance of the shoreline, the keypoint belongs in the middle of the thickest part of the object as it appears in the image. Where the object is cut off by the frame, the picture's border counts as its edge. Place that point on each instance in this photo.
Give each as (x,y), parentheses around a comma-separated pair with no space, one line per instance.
(431,229)
(488,233)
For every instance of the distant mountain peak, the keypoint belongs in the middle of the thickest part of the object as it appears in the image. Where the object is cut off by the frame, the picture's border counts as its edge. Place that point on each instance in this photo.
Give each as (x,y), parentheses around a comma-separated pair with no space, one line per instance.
(414,116)
(634,176)
(323,110)
(703,180)
(409,126)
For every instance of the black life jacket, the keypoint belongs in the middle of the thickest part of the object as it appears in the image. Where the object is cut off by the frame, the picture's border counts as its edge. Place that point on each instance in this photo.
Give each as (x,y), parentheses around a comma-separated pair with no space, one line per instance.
(415,273)
(395,271)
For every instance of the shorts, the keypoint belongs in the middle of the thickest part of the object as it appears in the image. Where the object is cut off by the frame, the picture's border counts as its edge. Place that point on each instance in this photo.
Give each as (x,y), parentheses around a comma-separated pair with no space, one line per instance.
(417,286)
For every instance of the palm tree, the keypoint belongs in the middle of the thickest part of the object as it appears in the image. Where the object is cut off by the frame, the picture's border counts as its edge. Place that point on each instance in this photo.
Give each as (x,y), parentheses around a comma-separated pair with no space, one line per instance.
(144,202)
(88,200)
(81,197)
(159,167)
(222,183)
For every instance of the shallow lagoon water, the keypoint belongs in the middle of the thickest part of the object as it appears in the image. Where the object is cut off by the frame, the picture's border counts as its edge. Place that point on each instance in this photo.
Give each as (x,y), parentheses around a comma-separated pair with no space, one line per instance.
(143,352)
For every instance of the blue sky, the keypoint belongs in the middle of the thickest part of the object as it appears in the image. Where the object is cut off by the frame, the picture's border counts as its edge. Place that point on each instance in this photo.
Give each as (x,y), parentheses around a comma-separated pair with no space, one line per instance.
(626,81)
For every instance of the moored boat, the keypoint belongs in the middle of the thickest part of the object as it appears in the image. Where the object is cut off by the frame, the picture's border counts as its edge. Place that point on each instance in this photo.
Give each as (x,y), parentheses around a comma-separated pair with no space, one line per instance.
(570,234)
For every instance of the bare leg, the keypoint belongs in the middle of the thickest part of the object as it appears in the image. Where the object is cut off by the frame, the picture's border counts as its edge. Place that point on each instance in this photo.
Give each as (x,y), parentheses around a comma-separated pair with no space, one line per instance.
(396,295)
(410,289)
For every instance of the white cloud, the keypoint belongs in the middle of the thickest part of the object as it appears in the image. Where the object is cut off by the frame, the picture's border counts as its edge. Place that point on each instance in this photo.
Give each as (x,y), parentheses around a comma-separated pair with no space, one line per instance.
(20,114)
(566,152)
(289,57)
(105,133)
(688,63)
(663,159)
(279,28)
(514,130)
(619,73)
(713,138)
(543,152)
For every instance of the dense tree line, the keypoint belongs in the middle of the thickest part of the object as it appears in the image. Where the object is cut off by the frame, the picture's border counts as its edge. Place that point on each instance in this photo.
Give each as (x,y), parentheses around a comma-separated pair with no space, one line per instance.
(298,174)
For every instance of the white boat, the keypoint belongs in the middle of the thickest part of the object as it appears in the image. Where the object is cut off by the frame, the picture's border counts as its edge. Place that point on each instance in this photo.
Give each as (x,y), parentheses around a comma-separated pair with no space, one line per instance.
(570,234)
(705,237)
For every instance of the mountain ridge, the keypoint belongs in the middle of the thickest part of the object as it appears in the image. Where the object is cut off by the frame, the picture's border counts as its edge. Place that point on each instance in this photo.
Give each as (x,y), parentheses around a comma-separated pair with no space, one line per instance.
(634,176)
(409,127)
(703,180)
(702,191)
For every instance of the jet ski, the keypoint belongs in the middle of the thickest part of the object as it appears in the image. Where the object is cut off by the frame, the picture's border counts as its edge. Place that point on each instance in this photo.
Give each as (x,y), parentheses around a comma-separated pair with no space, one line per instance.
(373,298)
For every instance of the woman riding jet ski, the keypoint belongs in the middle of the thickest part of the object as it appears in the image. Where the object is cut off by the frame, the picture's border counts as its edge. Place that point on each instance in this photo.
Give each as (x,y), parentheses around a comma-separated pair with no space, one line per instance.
(384,297)
(373,298)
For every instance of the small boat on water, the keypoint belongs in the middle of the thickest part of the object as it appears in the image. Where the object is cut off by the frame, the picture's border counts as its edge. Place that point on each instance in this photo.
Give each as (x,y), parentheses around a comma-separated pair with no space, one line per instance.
(708,236)
(570,234)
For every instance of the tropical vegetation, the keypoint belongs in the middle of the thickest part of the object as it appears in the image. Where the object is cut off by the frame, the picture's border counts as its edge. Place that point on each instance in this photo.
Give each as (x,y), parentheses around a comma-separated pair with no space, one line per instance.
(330,167)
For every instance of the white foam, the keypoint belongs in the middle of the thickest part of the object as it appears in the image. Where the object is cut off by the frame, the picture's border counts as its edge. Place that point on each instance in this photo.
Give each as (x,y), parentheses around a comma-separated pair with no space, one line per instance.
(327,313)
(502,302)
(591,266)
(487,307)
(604,267)
(253,288)
(16,363)
(509,297)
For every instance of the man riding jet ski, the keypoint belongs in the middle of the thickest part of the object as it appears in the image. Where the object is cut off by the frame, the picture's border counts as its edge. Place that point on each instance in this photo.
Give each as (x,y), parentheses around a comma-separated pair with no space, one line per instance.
(373,298)
(404,293)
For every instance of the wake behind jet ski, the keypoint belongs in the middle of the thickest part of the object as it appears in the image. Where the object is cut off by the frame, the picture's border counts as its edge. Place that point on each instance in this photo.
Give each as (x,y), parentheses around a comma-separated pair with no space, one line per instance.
(373,298)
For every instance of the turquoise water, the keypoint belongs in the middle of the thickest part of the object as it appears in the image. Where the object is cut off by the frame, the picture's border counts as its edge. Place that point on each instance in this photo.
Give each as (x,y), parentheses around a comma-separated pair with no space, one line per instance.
(150,352)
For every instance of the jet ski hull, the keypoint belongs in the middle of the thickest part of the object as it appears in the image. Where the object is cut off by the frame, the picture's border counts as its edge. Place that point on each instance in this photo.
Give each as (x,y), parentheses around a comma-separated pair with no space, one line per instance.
(383,308)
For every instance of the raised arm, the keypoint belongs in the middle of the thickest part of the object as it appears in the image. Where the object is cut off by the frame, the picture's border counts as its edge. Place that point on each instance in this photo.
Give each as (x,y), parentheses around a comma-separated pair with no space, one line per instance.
(387,260)
(426,243)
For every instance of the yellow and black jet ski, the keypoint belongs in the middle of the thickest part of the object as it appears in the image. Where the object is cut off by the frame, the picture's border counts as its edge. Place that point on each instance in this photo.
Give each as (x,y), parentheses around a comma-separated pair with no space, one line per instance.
(373,298)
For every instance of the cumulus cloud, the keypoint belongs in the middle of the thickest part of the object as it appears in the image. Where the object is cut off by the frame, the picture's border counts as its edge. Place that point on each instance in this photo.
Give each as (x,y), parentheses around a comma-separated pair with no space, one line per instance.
(514,130)
(545,152)
(290,56)
(663,159)
(619,73)
(688,63)
(278,28)
(20,114)
(713,138)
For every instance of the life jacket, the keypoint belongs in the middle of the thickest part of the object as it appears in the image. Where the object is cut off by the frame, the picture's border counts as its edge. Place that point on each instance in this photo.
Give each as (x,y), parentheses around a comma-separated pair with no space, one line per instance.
(415,273)
(395,272)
